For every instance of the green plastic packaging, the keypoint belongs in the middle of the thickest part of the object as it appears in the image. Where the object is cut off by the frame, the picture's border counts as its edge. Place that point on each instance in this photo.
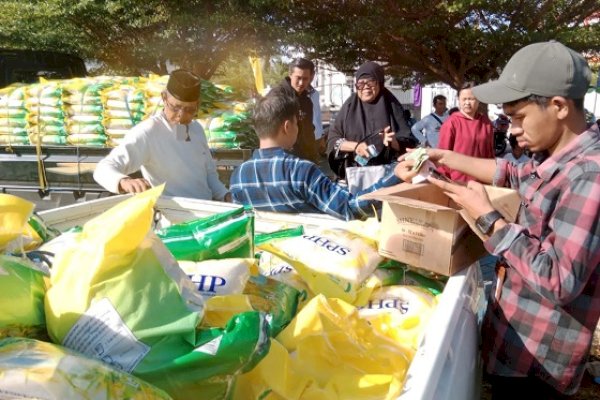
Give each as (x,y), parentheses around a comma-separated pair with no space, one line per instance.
(224,235)
(22,290)
(261,238)
(393,272)
(219,356)
(275,298)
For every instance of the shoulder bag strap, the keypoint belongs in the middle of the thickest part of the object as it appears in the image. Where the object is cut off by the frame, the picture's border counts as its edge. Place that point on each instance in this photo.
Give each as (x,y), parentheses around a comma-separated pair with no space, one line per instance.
(436,118)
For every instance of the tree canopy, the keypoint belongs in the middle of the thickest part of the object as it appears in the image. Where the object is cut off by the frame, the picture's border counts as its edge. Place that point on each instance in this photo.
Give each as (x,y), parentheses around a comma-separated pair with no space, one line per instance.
(449,41)
(132,36)
(426,40)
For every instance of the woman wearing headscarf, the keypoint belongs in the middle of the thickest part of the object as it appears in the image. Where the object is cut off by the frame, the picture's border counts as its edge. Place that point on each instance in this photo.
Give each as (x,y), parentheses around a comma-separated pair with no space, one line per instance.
(371,116)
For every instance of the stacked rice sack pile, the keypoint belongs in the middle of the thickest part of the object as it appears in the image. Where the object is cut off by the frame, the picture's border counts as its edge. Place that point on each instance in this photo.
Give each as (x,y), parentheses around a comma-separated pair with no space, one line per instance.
(99,111)
(208,308)
(84,111)
(153,88)
(214,99)
(226,122)
(13,122)
(231,129)
(123,108)
(46,122)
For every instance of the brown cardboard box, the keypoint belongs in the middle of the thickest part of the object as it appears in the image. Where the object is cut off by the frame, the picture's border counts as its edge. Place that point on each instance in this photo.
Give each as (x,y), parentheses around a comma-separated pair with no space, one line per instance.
(423,227)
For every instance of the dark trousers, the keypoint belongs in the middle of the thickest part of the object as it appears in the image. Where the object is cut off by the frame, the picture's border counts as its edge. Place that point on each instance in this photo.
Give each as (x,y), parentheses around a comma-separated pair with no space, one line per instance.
(528,388)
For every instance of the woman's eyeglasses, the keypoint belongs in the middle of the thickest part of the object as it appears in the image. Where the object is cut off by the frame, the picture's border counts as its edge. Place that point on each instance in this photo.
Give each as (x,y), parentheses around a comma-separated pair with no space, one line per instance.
(371,83)
(178,109)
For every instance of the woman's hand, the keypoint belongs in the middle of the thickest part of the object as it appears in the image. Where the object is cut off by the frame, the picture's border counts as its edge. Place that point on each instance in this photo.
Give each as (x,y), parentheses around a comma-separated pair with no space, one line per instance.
(389,138)
(361,150)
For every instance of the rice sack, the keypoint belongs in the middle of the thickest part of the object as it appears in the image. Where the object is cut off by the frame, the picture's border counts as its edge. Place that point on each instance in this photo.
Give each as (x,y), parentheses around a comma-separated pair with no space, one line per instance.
(22,290)
(327,352)
(14,214)
(275,299)
(225,235)
(332,262)
(220,277)
(392,272)
(400,313)
(32,369)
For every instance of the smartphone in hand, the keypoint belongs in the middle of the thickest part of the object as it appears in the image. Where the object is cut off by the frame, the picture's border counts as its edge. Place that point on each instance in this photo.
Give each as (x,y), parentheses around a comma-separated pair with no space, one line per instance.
(438,175)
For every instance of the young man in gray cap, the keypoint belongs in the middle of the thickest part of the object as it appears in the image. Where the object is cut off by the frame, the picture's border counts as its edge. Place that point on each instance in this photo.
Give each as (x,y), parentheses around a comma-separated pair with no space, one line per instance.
(168,148)
(538,328)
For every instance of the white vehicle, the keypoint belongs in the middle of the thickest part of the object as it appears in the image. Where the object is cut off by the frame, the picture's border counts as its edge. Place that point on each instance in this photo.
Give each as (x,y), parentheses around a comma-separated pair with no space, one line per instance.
(446,365)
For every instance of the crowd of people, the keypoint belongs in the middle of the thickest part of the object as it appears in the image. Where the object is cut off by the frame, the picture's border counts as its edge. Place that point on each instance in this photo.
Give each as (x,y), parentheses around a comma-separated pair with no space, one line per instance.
(545,306)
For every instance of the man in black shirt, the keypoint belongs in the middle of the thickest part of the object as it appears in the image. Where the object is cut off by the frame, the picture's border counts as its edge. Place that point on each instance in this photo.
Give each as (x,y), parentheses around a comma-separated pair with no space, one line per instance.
(296,84)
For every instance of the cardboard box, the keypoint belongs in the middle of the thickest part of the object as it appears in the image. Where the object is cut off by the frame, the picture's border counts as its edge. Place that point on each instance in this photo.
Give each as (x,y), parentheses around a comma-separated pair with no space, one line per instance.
(423,227)
(506,201)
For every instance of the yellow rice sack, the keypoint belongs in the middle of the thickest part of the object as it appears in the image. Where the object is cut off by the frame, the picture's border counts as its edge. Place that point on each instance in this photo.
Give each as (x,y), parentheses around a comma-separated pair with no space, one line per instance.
(31,369)
(333,262)
(400,313)
(328,352)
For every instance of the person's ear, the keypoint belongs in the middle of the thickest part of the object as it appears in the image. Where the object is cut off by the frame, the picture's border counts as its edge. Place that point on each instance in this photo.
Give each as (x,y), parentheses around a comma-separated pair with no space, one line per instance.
(561,107)
(287,125)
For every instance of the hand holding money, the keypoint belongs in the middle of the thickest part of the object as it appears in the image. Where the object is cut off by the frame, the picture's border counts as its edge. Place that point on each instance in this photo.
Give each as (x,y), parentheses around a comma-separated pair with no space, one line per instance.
(416,166)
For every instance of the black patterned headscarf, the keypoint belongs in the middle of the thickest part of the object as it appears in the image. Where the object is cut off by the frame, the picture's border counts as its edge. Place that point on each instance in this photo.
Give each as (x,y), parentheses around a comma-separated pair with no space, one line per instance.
(361,119)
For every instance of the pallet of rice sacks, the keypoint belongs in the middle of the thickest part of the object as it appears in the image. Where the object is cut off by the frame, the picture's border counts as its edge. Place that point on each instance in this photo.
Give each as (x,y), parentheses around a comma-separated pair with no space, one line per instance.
(45,115)
(84,111)
(13,122)
(123,108)
(231,129)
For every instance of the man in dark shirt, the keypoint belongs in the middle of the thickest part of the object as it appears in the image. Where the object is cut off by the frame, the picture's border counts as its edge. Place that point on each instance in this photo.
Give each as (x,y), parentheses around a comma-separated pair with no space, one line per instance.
(297,84)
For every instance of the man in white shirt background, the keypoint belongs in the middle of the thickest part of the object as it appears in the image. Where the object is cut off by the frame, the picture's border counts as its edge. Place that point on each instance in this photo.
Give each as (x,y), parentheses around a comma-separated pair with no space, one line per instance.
(427,130)
(169,148)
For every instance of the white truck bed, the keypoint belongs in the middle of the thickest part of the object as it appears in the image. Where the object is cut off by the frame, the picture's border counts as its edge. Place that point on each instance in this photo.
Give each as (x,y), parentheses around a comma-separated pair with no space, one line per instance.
(446,365)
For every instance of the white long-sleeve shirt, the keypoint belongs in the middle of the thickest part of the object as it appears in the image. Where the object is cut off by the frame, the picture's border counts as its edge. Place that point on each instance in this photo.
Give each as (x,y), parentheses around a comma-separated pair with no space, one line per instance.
(187,167)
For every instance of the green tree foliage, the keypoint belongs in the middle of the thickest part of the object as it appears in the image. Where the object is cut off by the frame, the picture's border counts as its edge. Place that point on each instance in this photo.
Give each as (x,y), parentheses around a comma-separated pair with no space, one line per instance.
(35,25)
(426,40)
(132,36)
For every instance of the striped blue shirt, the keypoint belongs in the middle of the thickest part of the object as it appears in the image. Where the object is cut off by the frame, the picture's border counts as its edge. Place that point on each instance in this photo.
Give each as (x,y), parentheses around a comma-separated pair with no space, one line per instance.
(274,180)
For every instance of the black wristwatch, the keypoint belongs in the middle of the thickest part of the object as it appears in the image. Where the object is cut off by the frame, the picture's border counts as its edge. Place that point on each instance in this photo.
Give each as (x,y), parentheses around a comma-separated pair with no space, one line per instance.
(486,222)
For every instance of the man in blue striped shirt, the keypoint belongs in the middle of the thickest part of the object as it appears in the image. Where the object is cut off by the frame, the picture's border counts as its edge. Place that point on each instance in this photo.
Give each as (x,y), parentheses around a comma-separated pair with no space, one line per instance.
(275,180)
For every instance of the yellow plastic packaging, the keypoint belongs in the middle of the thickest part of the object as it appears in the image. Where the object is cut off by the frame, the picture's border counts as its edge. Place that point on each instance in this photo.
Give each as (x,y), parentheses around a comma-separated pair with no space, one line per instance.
(332,262)
(31,369)
(401,313)
(336,355)
(14,213)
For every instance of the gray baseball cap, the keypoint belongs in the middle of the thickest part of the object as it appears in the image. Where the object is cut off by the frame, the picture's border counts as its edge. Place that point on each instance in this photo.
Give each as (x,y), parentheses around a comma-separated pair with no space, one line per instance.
(543,69)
